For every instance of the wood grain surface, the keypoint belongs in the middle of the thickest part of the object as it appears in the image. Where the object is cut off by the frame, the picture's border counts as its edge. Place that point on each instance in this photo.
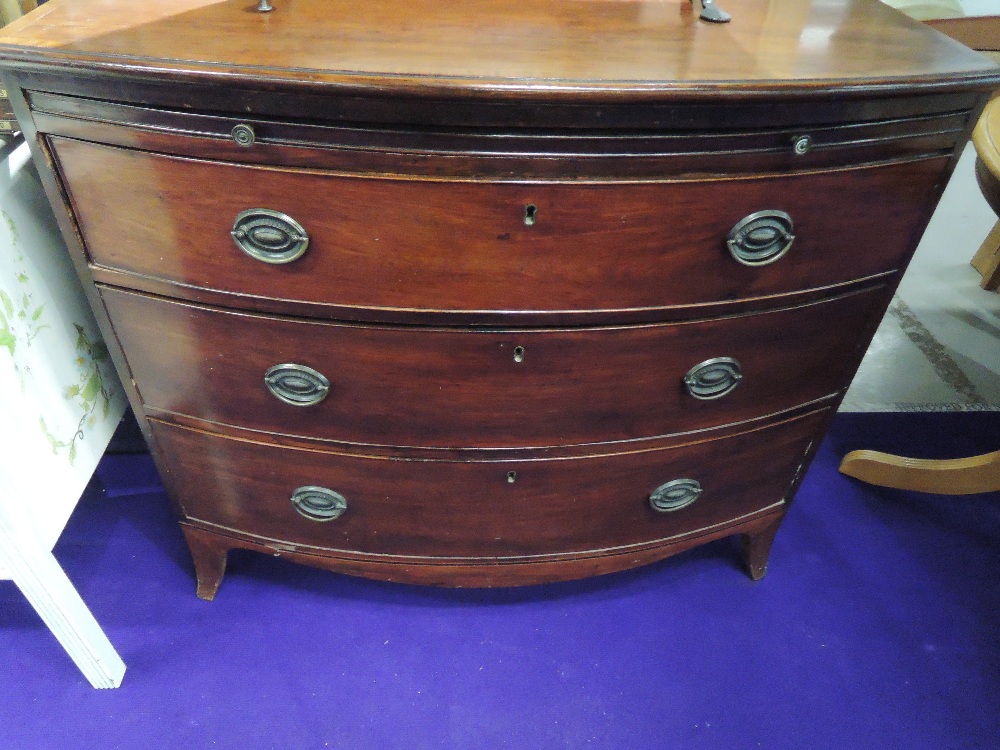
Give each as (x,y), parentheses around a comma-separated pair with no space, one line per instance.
(412,140)
(512,48)
(454,388)
(450,510)
(461,246)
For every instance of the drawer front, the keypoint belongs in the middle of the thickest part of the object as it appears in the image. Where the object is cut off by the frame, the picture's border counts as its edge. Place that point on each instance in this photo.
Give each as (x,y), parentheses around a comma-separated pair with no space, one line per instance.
(396,244)
(503,509)
(470,388)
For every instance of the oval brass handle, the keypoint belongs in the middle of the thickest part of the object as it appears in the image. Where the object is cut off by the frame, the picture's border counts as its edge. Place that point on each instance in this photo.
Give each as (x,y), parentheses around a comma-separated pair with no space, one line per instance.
(674,495)
(269,236)
(761,238)
(318,503)
(713,378)
(297,385)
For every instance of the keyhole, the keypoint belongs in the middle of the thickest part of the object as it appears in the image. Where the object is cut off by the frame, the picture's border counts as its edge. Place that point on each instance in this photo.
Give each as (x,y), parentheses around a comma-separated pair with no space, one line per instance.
(511,477)
(519,354)
(530,214)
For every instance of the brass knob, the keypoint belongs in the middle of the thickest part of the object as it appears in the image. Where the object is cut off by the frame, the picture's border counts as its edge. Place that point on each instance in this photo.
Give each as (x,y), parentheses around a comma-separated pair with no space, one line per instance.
(761,238)
(297,385)
(674,495)
(318,503)
(244,135)
(269,236)
(713,378)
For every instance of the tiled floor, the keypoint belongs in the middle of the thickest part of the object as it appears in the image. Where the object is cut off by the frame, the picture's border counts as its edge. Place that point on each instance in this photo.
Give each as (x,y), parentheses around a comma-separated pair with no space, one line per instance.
(938,348)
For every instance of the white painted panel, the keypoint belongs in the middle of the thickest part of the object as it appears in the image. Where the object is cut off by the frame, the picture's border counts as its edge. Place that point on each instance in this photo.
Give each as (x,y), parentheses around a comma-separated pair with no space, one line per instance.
(61,398)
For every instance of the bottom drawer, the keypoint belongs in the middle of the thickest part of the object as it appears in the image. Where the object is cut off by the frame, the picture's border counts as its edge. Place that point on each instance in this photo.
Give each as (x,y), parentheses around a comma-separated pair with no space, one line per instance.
(398,509)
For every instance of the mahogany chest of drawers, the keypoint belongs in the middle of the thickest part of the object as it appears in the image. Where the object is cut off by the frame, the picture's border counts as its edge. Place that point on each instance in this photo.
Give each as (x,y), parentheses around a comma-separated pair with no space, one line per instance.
(487,293)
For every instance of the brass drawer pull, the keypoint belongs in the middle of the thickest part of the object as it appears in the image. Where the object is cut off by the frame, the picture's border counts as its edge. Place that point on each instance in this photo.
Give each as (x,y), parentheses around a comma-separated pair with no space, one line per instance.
(297,385)
(761,238)
(269,236)
(244,135)
(713,378)
(674,495)
(802,145)
(318,503)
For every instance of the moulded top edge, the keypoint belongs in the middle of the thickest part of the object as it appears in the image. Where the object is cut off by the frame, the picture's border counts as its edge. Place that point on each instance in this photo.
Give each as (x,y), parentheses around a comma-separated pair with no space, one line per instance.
(534,48)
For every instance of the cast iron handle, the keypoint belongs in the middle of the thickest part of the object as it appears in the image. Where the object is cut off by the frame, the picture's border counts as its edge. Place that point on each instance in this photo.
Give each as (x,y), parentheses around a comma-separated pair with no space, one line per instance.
(269,236)
(761,238)
(318,503)
(713,378)
(674,495)
(297,385)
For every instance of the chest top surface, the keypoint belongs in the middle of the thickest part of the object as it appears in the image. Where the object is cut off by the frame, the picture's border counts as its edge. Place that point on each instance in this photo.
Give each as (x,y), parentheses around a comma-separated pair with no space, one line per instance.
(544,48)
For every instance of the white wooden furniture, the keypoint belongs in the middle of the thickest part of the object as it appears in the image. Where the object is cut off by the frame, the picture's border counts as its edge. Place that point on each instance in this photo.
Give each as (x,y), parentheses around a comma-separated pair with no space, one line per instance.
(61,401)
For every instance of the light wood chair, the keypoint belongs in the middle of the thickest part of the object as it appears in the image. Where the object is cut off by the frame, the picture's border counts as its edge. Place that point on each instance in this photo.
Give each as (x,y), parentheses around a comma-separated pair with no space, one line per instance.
(961,476)
(986,138)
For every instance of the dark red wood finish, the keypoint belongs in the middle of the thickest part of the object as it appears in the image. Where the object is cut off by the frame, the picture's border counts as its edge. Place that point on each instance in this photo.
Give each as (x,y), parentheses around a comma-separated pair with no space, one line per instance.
(504,153)
(391,385)
(210,547)
(541,52)
(408,139)
(458,246)
(442,512)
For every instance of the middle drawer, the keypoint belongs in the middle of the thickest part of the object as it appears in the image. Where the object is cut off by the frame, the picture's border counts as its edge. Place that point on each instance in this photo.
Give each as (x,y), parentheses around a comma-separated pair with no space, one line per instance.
(437,387)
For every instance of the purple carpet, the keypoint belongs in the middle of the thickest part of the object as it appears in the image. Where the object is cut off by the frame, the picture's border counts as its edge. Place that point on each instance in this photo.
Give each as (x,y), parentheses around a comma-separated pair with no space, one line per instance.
(878,626)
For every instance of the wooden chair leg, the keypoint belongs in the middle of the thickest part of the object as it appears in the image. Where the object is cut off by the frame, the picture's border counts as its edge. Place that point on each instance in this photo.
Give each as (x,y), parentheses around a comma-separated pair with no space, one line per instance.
(209,554)
(987,259)
(959,476)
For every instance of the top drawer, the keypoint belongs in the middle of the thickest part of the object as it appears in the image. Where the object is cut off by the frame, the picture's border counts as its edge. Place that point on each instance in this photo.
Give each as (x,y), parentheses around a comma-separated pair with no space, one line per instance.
(382,246)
